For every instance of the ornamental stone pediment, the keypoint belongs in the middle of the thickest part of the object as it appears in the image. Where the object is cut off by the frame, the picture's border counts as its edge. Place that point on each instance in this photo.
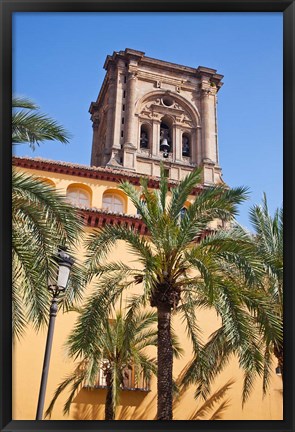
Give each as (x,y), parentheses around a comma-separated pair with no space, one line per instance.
(155,109)
(154,106)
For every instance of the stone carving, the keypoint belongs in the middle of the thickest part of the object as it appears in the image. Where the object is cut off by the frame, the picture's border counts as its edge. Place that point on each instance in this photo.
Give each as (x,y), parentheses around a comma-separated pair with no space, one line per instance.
(156,116)
(179,107)
(95,122)
(132,75)
(184,119)
(154,109)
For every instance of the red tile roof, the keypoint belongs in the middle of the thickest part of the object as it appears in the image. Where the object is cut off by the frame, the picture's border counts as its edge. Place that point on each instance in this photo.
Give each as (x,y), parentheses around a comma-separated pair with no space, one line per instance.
(97,173)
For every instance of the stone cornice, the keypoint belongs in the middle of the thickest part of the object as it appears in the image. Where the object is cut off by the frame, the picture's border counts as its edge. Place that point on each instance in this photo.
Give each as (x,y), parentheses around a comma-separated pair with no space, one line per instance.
(143,60)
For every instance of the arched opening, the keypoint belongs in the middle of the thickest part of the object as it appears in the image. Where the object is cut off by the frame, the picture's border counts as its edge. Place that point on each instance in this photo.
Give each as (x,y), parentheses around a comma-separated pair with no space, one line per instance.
(186,145)
(47,181)
(144,137)
(166,135)
(79,195)
(113,202)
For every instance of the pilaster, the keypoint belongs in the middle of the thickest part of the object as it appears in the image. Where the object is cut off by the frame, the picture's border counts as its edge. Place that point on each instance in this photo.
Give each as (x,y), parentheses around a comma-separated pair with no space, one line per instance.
(110,110)
(130,107)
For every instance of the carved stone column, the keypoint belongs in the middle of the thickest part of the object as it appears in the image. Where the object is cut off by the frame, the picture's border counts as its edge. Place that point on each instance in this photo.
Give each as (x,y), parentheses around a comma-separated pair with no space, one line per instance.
(177,143)
(208,122)
(130,108)
(110,111)
(194,145)
(199,147)
(156,138)
(205,123)
(95,118)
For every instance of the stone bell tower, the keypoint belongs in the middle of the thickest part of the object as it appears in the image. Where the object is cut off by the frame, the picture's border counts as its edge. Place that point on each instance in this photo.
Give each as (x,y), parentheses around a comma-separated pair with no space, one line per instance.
(150,111)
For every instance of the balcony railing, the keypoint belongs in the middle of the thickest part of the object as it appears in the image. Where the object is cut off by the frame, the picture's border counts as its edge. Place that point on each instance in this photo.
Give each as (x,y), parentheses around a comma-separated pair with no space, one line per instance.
(131,381)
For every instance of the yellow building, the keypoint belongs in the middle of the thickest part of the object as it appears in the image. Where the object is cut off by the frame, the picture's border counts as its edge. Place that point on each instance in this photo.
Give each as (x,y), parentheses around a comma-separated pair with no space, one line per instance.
(148,111)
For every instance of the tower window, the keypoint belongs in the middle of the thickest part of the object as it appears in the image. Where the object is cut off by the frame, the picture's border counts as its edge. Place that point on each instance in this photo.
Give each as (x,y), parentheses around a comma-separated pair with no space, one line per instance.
(165,138)
(144,137)
(124,93)
(166,172)
(186,145)
(122,134)
(125,79)
(123,107)
(122,120)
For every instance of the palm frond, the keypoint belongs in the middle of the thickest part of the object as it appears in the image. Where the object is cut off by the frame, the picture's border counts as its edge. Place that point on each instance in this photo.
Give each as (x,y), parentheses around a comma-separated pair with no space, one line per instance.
(32,127)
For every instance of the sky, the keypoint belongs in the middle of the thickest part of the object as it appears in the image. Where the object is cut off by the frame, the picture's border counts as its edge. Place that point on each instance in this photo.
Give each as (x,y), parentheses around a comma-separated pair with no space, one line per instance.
(58,63)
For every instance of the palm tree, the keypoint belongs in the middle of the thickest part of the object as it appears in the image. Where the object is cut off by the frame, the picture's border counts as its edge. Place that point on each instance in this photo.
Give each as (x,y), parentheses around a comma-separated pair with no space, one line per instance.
(268,320)
(181,269)
(32,127)
(41,221)
(118,350)
(268,239)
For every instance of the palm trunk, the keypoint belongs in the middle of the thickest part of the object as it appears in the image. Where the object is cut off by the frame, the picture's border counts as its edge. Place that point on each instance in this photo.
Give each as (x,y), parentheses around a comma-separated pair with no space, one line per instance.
(109,408)
(165,363)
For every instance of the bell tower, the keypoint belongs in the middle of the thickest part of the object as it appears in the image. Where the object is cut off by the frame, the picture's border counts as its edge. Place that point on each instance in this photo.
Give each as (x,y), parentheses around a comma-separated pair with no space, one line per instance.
(150,111)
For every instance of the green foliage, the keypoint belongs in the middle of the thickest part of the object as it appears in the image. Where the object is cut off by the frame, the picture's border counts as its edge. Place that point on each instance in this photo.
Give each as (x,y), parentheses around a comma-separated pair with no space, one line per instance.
(32,127)
(190,266)
(268,241)
(41,221)
(118,344)
(251,312)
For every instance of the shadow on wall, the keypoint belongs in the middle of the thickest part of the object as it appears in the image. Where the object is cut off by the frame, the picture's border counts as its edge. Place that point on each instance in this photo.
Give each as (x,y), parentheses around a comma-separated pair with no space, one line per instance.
(89,404)
(213,408)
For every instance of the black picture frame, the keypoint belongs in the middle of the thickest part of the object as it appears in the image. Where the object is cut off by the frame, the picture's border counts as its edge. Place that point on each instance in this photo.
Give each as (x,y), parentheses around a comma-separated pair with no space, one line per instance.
(8,7)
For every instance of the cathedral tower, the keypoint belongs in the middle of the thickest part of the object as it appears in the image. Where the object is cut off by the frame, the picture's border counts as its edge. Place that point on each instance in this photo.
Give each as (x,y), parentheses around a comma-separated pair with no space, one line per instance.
(150,111)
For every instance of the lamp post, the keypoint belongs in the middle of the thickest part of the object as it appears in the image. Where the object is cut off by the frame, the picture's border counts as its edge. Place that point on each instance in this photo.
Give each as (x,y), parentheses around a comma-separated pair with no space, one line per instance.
(56,285)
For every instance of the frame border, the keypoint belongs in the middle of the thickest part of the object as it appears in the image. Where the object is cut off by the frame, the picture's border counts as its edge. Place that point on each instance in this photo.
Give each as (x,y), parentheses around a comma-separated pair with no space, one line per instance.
(7,8)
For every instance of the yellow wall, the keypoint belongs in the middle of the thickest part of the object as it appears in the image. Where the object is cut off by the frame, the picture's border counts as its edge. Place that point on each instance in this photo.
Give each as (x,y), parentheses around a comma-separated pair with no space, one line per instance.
(89,404)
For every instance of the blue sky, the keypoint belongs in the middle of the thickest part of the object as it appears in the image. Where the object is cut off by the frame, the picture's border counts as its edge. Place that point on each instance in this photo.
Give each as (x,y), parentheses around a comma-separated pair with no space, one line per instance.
(58,62)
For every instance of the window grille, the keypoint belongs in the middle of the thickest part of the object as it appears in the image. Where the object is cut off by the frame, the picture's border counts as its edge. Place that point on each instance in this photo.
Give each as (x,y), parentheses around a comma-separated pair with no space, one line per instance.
(131,379)
(78,197)
(113,203)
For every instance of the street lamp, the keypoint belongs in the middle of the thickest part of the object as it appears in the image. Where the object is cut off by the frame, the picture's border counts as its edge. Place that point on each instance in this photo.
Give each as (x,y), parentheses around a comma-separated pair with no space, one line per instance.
(56,285)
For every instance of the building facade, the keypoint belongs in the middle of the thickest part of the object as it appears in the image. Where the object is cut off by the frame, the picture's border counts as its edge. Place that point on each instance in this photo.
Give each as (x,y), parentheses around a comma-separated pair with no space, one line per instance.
(148,111)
